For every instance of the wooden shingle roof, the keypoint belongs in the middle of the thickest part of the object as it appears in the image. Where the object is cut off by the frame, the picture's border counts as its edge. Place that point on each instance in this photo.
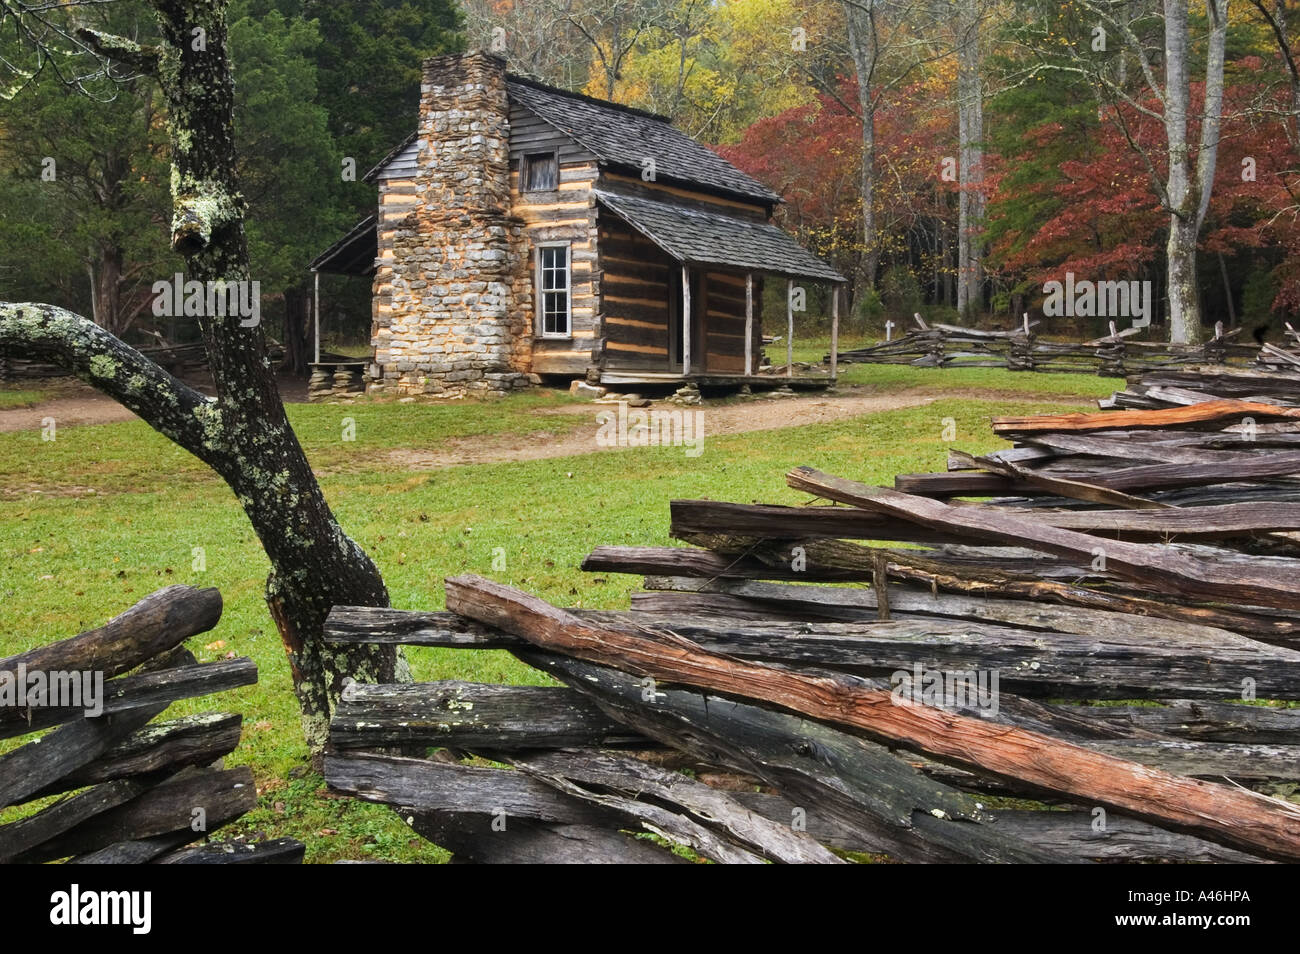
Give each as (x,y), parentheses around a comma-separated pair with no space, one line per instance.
(354,253)
(621,136)
(697,237)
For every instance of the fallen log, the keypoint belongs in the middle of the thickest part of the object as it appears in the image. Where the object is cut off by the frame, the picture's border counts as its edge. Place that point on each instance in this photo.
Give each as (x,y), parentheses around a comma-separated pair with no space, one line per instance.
(277,851)
(1034,663)
(157,623)
(147,690)
(53,820)
(160,747)
(528,842)
(490,816)
(1072,835)
(471,716)
(1233,817)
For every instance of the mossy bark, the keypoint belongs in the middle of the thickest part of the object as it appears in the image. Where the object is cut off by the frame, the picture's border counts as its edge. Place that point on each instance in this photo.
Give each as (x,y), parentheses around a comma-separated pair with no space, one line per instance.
(244,433)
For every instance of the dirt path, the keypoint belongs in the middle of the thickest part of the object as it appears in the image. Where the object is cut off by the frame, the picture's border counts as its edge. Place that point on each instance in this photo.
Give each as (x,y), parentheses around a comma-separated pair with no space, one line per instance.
(763,414)
(73,405)
(70,410)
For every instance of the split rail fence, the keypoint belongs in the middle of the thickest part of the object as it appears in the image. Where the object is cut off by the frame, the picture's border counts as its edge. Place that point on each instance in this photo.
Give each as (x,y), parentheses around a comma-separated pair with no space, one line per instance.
(118,786)
(1115,355)
(1077,649)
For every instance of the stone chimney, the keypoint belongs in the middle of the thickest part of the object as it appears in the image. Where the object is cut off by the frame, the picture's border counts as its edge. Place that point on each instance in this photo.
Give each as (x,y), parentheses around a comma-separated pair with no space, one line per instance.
(444,324)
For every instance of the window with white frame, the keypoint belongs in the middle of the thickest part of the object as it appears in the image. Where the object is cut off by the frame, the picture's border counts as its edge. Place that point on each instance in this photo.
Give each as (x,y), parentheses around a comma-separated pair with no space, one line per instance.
(553,291)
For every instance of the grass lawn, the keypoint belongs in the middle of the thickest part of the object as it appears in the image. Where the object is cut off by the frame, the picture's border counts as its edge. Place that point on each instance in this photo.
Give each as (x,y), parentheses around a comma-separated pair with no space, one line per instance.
(25,398)
(107,514)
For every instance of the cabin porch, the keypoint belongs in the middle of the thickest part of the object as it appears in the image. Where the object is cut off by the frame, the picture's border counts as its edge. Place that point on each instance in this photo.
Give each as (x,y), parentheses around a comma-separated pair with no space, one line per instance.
(681,296)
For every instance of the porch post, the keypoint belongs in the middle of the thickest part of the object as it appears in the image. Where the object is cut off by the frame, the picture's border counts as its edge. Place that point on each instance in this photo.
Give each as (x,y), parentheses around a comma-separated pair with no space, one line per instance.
(686,320)
(835,330)
(789,327)
(749,323)
(315,307)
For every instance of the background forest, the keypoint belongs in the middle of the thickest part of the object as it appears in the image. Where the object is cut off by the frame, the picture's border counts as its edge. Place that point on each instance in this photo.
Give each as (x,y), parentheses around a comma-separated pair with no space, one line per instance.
(950,155)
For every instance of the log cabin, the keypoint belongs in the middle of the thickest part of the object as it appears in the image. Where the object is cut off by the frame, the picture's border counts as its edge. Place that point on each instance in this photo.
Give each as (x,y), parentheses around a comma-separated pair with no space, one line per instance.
(524,231)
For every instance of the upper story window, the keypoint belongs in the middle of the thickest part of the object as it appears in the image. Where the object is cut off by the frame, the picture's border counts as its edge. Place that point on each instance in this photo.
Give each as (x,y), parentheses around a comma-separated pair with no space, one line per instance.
(540,173)
(553,291)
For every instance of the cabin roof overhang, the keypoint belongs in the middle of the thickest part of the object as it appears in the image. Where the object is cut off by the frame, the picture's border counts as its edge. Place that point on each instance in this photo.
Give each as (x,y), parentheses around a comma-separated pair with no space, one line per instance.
(354,253)
(696,237)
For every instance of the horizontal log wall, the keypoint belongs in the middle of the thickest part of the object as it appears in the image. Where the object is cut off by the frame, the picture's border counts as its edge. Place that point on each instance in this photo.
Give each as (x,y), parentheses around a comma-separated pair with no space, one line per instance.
(724,323)
(567,214)
(636,289)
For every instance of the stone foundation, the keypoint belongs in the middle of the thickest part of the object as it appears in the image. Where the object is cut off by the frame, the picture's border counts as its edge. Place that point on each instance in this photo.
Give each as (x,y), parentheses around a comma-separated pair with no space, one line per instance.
(334,381)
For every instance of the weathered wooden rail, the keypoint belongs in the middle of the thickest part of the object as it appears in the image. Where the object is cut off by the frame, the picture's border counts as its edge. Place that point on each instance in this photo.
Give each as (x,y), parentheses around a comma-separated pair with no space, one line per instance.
(767,662)
(1020,349)
(121,787)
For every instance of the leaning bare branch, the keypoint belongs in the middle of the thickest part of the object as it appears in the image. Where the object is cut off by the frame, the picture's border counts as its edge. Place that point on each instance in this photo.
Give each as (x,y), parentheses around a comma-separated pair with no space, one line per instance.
(168,405)
(141,59)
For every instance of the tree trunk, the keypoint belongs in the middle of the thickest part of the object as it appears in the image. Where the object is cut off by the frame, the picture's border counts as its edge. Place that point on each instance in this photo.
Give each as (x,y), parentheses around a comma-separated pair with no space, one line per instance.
(1184,286)
(970,133)
(243,433)
(298,351)
(108,289)
(863,44)
(314,564)
(1187,192)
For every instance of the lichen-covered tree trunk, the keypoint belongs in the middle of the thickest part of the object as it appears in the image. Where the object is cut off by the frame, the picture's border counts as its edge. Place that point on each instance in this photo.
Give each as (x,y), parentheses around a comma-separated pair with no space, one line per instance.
(1183,284)
(864,47)
(1187,186)
(314,564)
(244,433)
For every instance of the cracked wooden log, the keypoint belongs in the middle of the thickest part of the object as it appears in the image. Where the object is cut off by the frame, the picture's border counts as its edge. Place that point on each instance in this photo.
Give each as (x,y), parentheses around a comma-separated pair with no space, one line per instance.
(166,810)
(535,843)
(1157,568)
(1070,834)
(1224,521)
(471,716)
(832,777)
(148,689)
(277,851)
(41,763)
(159,622)
(841,561)
(1109,660)
(1207,415)
(1039,663)
(1236,818)
(704,818)
(490,816)
(54,820)
(159,748)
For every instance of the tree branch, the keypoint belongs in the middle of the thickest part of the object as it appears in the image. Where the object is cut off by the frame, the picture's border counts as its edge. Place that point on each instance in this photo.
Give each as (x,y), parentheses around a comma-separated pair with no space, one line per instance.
(142,59)
(168,405)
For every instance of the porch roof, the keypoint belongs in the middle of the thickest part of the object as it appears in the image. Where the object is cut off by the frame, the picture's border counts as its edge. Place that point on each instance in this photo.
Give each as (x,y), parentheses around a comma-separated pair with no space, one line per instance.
(353,254)
(696,237)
